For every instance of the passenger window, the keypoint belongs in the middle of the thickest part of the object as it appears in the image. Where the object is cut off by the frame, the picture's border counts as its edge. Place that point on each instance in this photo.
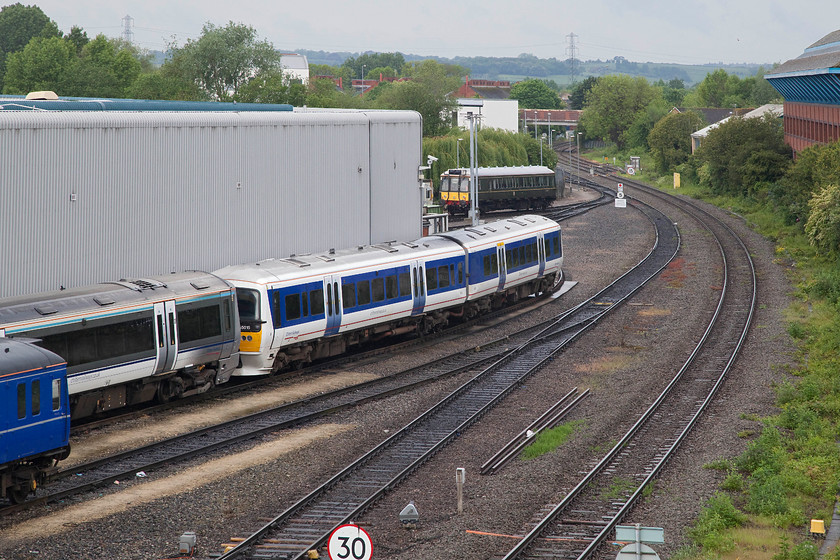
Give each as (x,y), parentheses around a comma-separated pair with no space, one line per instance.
(363,288)
(494,264)
(305,306)
(56,394)
(405,284)
(487,265)
(514,258)
(21,400)
(556,243)
(391,286)
(443,277)
(329,300)
(316,299)
(378,288)
(522,260)
(431,278)
(460,273)
(348,295)
(529,254)
(292,307)
(335,292)
(508,258)
(36,398)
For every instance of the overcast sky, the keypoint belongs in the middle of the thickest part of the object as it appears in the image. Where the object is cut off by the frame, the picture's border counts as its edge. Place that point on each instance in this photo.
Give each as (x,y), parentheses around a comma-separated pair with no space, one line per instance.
(685,32)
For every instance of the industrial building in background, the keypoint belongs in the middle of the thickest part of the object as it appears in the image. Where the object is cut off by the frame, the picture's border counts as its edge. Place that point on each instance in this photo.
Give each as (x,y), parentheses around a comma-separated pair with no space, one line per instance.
(89,196)
(810,84)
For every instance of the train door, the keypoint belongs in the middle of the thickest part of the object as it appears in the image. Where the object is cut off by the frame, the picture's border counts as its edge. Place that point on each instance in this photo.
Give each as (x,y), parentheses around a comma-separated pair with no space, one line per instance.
(333,307)
(166,335)
(500,256)
(418,281)
(541,252)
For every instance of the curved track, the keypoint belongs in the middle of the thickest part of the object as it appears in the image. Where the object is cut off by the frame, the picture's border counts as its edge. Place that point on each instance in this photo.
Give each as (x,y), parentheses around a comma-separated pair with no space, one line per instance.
(580,525)
(307,524)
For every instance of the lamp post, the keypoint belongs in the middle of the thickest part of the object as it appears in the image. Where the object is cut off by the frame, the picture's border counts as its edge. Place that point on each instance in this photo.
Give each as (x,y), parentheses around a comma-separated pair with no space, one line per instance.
(578,155)
(542,139)
(535,124)
(458,153)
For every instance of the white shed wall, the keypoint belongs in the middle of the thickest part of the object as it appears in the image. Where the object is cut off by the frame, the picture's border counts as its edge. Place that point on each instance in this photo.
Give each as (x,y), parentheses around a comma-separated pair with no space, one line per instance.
(90,197)
(495,113)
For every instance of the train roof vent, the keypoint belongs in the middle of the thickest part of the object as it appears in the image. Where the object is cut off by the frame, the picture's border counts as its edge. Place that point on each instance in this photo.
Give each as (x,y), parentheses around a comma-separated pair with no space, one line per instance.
(104,300)
(143,283)
(326,258)
(386,248)
(45,309)
(200,284)
(296,262)
(411,245)
(517,222)
(473,230)
(490,228)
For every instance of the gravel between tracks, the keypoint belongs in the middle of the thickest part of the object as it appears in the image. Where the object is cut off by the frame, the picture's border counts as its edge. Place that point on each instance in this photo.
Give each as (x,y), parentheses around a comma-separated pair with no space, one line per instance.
(625,360)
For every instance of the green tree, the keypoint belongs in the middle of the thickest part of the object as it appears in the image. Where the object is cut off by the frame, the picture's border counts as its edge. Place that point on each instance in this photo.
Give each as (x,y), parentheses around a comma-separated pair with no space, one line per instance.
(78,37)
(427,93)
(613,104)
(742,154)
(19,24)
(815,168)
(105,68)
(42,65)
(823,225)
(535,94)
(368,61)
(272,87)
(324,93)
(637,135)
(223,59)
(670,139)
(577,98)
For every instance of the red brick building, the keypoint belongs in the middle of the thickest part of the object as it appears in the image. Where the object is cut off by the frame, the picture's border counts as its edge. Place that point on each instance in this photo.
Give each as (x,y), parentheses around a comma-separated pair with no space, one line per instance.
(810,84)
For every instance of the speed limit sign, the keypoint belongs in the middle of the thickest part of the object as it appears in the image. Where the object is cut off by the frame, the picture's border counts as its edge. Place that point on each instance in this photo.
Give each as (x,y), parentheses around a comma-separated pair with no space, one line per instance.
(350,542)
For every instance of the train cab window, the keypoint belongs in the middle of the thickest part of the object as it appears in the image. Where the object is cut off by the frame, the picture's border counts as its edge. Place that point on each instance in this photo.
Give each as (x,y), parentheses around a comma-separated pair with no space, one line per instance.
(316,299)
(348,295)
(292,307)
(431,278)
(391,286)
(363,287)
(443,277)
(56,394)
(378,289)
(248,302)
(21,400)
(405,284)
(36,398)
(556,243)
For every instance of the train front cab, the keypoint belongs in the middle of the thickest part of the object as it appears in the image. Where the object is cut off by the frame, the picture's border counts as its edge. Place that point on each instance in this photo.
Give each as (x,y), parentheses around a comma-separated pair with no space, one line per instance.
(34,417)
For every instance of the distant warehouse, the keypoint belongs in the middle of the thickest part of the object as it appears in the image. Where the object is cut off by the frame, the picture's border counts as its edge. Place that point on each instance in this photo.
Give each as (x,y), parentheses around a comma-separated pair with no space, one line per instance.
(97,196)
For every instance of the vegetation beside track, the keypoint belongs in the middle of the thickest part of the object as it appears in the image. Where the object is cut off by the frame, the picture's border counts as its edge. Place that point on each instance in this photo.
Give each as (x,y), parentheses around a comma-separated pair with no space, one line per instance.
(790,471)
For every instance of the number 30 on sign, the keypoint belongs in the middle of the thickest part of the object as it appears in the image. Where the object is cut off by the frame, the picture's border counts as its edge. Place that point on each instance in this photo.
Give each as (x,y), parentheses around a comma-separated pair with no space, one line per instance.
(350,542)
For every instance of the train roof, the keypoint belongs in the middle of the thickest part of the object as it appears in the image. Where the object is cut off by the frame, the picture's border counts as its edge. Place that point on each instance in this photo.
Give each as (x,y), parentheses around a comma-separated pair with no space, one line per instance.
(108,295)
(494,232)
(505,171)
(17,356)
(299,267)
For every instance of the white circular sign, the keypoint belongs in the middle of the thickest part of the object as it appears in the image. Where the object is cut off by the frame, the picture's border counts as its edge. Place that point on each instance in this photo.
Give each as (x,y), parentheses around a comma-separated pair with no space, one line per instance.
(619,194)
(350,542)
(631,171)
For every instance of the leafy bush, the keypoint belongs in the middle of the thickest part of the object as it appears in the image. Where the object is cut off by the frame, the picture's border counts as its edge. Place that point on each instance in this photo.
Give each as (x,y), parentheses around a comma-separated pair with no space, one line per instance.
(823,225)
(716,517)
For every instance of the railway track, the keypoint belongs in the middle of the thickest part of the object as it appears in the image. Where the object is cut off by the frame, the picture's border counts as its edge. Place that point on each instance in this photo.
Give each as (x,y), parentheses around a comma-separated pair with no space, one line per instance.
(307,524)
(582,523)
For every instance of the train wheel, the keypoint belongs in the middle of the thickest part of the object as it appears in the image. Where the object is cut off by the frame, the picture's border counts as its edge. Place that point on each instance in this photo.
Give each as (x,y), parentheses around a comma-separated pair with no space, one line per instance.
(18,494)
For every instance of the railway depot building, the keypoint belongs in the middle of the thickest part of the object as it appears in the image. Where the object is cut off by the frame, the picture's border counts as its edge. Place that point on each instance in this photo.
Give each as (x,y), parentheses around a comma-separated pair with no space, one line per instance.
(810,84)
(96,196)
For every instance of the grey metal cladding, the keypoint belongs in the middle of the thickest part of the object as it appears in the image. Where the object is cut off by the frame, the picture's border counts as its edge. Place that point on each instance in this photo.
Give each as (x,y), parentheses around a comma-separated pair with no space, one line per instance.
(93,197)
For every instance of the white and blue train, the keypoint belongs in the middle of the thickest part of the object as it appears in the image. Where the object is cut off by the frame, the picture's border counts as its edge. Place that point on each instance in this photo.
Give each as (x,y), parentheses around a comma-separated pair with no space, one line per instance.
(34,417)
(302,308)
(132,341)
(164,337)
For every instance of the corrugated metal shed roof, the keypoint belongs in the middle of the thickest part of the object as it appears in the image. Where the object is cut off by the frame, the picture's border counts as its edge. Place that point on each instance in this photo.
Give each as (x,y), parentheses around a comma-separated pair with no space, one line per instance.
(107,104)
